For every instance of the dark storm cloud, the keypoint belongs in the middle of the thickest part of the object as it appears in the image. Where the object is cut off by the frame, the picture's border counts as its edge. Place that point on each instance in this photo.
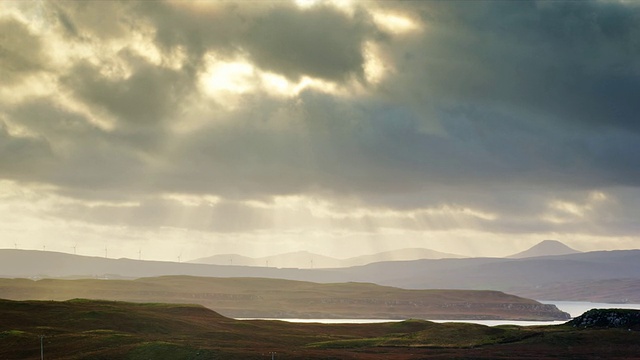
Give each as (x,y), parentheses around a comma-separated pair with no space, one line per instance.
(321,42)
(524,93)
(196,29)
(279,37)
(565,61)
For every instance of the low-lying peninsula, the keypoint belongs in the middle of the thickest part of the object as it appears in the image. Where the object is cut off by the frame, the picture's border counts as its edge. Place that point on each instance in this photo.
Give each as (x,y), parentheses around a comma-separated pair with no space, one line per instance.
(275,298)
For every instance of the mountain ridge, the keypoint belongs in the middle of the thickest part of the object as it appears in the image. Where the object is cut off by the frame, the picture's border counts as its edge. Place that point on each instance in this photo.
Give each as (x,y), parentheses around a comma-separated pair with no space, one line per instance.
(308,260)
(596,272)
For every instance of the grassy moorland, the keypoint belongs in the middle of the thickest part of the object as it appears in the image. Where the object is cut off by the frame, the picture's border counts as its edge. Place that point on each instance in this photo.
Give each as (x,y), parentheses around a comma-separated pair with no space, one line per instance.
(275,298)
(90,329)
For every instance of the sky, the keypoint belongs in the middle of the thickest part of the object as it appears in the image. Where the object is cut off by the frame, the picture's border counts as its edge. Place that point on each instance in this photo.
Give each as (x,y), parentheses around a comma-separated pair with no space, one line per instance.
(172,130)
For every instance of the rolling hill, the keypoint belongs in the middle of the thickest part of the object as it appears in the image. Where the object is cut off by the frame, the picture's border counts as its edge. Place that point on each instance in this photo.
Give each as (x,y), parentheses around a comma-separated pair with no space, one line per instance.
(600,273)
(275,298)
(307,260)
(299,259)
(398,255)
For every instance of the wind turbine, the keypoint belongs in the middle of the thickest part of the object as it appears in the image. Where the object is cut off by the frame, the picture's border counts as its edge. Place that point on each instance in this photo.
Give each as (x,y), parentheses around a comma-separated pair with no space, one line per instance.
(15,244)
(139,254)
(105,251)
(74,249)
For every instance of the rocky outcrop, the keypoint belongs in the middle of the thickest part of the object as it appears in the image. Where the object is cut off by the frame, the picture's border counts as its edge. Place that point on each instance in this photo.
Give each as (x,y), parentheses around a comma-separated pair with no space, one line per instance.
(608,318)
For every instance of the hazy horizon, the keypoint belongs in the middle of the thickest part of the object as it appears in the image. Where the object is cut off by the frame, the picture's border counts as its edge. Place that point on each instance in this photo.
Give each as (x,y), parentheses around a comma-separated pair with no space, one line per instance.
(341,127)
(138,256)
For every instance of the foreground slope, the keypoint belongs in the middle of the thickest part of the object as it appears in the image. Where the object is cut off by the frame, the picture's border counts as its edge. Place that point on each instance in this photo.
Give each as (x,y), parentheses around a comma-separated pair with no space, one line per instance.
(85,329)
(275,298)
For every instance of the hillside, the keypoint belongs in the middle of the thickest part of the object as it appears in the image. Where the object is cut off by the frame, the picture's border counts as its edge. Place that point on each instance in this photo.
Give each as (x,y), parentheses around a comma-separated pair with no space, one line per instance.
(273,298)
(600,273)
(545,248)
(614,291)
(48,264)
(299,259)
(398,255)
(307,260)
(101,330)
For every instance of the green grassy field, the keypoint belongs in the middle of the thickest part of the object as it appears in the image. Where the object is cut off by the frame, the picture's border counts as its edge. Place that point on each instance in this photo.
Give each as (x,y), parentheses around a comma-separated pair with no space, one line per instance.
(90,329)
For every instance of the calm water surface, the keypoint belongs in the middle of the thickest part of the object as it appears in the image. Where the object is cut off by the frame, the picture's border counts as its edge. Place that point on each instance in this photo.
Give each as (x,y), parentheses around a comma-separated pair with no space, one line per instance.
(574,308)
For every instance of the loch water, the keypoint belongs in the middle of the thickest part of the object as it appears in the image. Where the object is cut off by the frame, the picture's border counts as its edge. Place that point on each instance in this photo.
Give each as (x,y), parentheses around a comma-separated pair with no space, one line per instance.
(574,308)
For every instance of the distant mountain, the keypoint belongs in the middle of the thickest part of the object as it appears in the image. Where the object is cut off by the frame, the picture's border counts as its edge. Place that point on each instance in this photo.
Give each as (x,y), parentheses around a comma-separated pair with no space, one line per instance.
(48,264)
(307,260)
(398,255)
(227,259)
(545,248)
(596,270)
(578,277)
(293,260)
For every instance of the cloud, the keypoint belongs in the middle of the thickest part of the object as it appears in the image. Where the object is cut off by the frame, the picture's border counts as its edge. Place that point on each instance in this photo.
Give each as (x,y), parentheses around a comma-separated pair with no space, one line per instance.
(21,51)
(220,217)
(80,156)
(22,156)
(564,62)
(104,20)
(320,42)
(496,117)
(195,27)
(149,96)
